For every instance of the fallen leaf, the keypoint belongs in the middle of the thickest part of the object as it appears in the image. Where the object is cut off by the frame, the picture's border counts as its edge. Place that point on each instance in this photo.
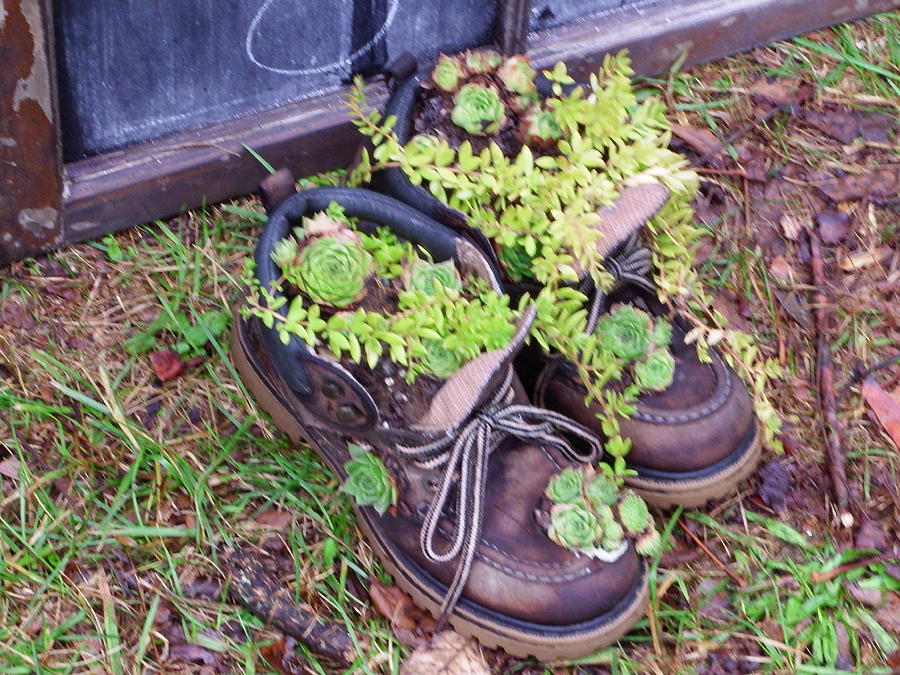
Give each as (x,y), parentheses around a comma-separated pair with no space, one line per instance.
(791,226)
(781,92)
(780,268)
(879,186)
(275,518)
(871,597)
(848,125)
(862,259)
(775,484)
(795,305)
(701,140)
(412,625)
(885,406)
(870,535)
(833,226)
(167,364)
(448,653)
(9,467)
(192,653)
(889,615)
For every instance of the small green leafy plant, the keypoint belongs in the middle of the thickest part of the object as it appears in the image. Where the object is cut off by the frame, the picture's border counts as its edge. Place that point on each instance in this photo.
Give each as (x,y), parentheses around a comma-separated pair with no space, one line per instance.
(190,339)
(427,319)
(591,515)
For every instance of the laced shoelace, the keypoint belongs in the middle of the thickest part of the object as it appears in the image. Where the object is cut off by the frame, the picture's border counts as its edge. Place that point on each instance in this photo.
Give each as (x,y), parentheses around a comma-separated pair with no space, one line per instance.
(632,263)
(464,458)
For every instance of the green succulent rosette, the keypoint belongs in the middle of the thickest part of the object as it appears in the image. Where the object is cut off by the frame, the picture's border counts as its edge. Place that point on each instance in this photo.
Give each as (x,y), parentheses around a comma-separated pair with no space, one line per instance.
(634,514)
(626,331)
(368,480)
(655,372)
(517,75)
(424,275)
(601,491)
(483,60)
(542,128)
(613,536)
(447,74)
(649,544)
(574,527)
(662,333)
(333,271)
(440,361)
(478,110)
(284,254)
(565,487)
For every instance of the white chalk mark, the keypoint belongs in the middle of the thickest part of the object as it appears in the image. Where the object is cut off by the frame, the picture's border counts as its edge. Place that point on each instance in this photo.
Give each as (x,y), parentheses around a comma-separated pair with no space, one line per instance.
(347,60)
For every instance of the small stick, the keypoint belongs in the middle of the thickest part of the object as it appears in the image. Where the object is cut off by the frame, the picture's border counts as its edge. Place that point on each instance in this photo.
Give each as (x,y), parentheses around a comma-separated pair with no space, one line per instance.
(825,371)
(740,582)
(819,577)
(256,588)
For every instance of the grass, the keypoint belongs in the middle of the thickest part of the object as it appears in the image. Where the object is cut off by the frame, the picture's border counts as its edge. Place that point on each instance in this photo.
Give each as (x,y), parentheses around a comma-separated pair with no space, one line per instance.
(118,494)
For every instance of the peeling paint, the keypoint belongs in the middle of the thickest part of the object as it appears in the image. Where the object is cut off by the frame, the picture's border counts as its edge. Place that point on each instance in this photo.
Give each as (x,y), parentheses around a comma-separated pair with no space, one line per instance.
(82,226)
(34,219)
(2,13)
(8,142)
(37,85)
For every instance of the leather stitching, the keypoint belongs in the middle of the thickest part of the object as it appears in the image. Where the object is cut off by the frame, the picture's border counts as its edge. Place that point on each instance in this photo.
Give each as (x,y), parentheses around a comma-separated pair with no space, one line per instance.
(706,410)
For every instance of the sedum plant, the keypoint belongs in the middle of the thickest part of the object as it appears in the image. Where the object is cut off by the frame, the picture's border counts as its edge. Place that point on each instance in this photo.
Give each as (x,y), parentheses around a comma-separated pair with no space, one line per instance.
(541,208)
(478,110)
(438,325)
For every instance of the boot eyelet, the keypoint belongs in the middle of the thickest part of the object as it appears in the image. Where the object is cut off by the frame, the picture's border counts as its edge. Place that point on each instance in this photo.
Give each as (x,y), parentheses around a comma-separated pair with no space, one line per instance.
(347,413)
(331,389)
(422,509)
(431,484)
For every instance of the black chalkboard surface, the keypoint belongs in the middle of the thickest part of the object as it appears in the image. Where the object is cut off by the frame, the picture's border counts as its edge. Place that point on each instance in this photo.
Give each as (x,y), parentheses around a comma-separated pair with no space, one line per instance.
(132,70)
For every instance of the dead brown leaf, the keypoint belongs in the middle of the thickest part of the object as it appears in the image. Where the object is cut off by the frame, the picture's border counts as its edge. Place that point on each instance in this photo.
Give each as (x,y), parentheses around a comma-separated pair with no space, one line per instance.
(880,185)
(781,92)
(167,364)
(885,406)
(9,467)
(862,259)
(780,268)
(275,518)
(848,125)
(791,226)
(412,625)
(833,226)
(448,653)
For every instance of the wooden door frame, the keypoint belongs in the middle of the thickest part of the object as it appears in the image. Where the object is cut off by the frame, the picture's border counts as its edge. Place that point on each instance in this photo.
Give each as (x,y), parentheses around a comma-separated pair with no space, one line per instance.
(48,203)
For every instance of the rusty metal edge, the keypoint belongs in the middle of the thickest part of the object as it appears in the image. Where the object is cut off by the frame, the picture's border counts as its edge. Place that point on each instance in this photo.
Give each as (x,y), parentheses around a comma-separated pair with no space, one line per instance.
(161,178)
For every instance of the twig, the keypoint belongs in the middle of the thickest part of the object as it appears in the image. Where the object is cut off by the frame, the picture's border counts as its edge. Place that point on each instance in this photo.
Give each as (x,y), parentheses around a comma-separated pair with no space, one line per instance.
(859,373)
(256,588)
(825,372)
(732,137)
(712,556)
(819,577)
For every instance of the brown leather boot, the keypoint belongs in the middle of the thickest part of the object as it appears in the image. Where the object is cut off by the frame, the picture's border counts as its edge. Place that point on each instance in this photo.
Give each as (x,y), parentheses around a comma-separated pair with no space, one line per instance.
(699,437)
(471,470)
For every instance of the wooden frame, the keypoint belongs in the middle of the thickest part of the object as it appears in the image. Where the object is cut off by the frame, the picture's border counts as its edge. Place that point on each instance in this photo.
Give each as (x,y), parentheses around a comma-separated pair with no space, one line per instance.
(45,204)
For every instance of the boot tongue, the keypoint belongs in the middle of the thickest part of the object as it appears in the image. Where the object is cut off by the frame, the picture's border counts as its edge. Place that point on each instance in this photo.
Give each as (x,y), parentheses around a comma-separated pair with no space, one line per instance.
(634,206)
(469,387)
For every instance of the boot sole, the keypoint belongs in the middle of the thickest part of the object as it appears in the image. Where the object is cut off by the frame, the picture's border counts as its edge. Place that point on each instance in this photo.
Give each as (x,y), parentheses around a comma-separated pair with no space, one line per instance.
(518,638)
(696,492)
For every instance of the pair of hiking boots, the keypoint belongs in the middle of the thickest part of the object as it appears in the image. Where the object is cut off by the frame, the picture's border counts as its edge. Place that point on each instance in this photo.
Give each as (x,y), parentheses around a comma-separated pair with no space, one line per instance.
(467,538)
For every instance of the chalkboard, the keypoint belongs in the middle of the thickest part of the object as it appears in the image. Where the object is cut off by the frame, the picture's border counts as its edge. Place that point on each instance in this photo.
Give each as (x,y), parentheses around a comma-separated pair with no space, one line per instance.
(552,13)
(133,70)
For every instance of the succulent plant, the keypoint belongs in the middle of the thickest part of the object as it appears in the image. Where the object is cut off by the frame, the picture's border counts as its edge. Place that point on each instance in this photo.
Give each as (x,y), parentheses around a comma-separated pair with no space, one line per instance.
(478,110)
(524,102)
(424,274)
(626,331)
(440,361)
(573,526)
(662,333)
(634,514)
(321,225)
(613,535)
(605,514)
(656,371)
(285,253)
(649,544)
(601,491)
(333,271)
(368,480)
(565,487)
(541,130)
(516,261)
(483,60)
(447,74)
(517,75)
